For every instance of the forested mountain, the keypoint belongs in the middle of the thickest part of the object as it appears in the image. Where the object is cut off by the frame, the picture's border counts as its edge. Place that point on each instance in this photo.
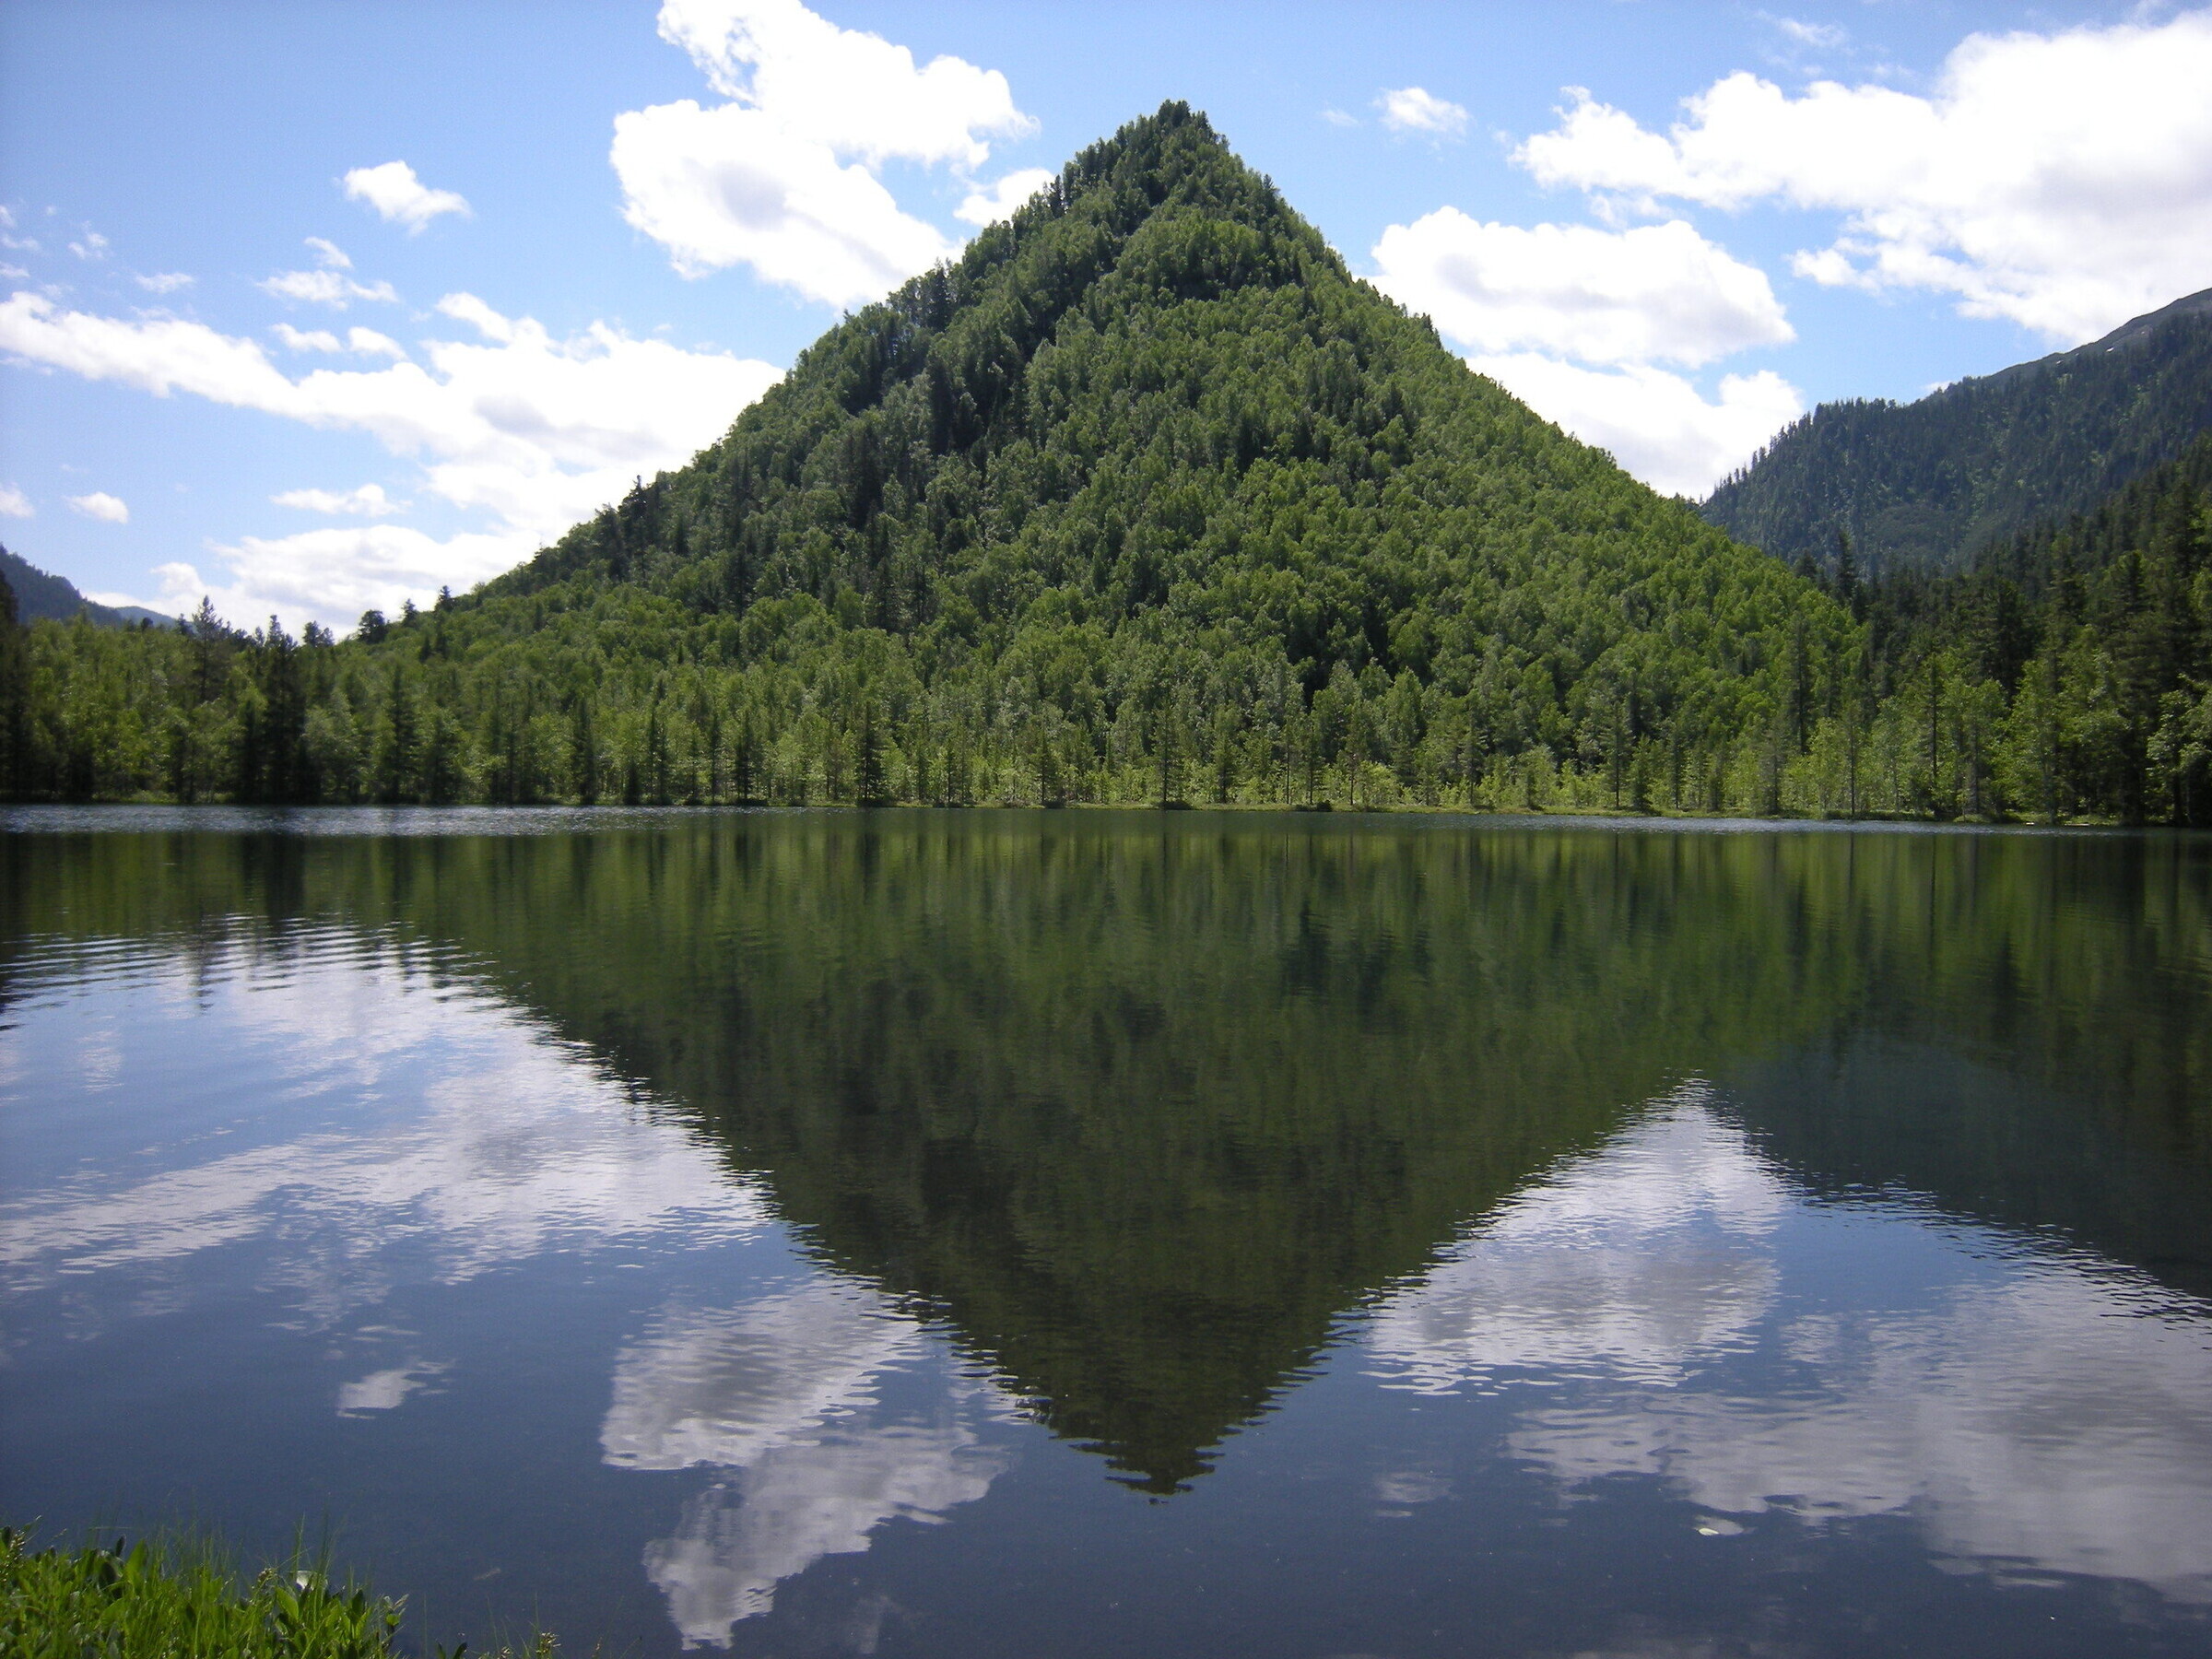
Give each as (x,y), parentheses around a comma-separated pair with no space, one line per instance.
(2088,638)
(40,594)
(1144,495)
(1147,497)
(1927,485)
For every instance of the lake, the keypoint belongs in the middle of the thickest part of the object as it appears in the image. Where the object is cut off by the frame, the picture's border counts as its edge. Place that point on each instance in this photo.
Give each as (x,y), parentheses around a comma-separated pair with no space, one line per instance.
(1096,1234)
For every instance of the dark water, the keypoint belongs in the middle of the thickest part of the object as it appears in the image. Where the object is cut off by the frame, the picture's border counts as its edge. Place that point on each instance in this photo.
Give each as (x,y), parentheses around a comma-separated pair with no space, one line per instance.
(976,1234)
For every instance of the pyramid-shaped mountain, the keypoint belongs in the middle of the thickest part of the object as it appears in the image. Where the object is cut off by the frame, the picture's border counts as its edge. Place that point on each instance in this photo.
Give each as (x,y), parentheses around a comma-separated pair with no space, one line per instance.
(1151,443)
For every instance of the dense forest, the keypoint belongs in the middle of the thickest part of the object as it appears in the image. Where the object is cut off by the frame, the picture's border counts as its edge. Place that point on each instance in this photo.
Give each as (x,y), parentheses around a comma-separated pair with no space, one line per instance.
(1926,485)
(1146,499)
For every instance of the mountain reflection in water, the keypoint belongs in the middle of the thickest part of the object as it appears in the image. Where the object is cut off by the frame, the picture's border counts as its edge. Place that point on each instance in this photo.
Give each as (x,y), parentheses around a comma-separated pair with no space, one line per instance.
(732,1211)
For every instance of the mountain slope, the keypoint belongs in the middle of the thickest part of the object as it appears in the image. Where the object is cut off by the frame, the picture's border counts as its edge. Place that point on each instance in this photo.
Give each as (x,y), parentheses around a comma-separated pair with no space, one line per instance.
(1154,427)
(1927,484)
(40,594)
(1144,497)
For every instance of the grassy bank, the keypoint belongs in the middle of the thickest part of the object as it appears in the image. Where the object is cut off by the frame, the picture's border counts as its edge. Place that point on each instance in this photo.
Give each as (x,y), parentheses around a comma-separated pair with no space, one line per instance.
(179,1600)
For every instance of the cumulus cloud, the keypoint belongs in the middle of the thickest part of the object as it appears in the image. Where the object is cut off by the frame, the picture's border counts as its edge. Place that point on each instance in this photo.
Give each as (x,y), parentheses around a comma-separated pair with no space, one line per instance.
(92,246)
(14,503)
(532,431)
(306,339)
(367,342)
(328,284)
(2063,181)
(401,198)
(783,177)
(1416,110)
(100,505)
(857,93)
(1659,293)
(333,289)
(988,206)
(1575,320)
(1656,424)
(164,282)
(368,502)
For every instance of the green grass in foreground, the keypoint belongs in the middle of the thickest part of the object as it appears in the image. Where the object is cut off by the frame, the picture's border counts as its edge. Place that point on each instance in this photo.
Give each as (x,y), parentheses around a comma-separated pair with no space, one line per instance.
(175,1601)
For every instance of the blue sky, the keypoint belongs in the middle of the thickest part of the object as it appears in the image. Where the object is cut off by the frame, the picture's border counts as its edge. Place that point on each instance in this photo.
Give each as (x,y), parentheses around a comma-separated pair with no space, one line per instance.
(311,308)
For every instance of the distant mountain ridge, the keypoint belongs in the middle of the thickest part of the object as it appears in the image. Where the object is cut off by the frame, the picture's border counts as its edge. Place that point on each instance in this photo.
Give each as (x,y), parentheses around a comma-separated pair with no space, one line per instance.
(40,594)
(1927,485)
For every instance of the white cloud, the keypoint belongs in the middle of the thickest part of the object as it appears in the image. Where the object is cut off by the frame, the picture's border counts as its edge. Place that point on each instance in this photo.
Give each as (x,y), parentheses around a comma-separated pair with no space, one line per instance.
(402,198)
(367,342)
(1825,37)
(14,503)
(368,502)
(727,185)
(852,92)
(468,309)
(1338,118)
(327,285)
(364,342)
(309,339)
(93,246)
(1416,110)
(533,431)
(7,238)
(100,505)
(784,178)
(2062,181)
(164,282)
(999,202)
(333,289)
(1656,424)
(1659,293)
(1617,304)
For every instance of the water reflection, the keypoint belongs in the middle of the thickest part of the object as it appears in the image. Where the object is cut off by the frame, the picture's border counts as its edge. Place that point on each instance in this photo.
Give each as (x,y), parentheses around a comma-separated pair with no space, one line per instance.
(391,1128)
(688,1175)
(781,1397)
(1684,1312)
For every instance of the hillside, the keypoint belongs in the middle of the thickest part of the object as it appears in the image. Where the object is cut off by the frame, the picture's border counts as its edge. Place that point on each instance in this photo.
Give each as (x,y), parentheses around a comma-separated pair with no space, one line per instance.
(1926,485)
(2084,644)
(1144,496)
(40,594)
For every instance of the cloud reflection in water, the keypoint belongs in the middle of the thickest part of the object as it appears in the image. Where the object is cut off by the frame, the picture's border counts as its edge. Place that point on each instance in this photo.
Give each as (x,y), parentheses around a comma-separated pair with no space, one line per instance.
(781,1392)
(2027,1405)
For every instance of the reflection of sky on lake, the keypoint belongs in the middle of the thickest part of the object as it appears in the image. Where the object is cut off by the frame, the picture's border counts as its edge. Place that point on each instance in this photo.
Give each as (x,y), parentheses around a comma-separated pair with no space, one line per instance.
(408,1130)
(1670,1307)
(407,1179)
(397,1126)
(781,1395)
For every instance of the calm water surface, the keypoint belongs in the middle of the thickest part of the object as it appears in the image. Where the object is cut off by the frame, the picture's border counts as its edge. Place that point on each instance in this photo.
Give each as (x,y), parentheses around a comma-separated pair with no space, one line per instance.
(1007,1234)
